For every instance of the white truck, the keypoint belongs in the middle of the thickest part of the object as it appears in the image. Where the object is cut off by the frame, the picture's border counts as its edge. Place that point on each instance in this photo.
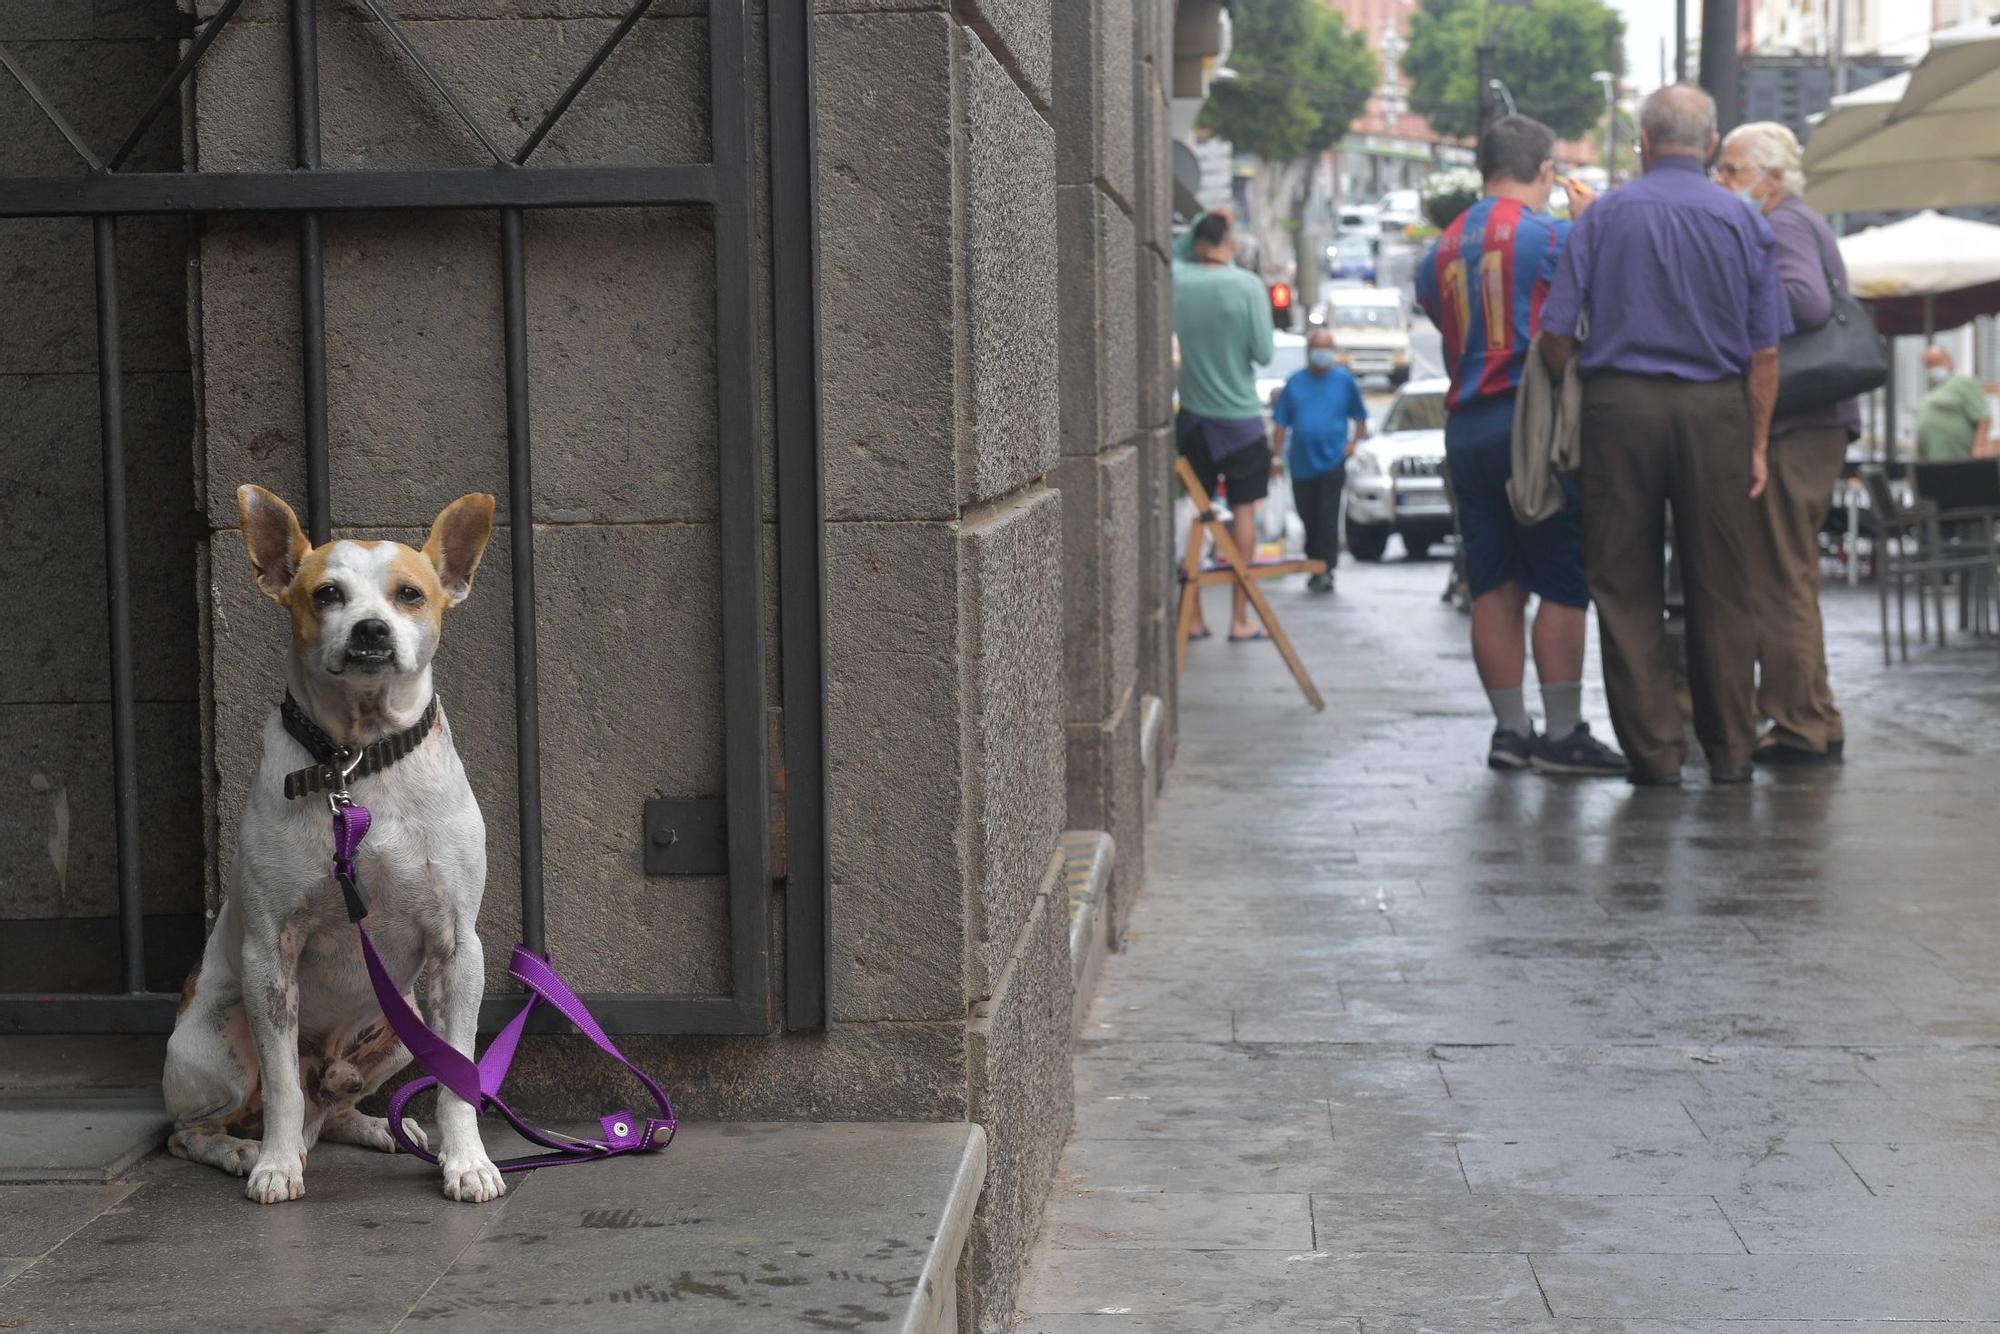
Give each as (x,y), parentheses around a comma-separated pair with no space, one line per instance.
(1371,330)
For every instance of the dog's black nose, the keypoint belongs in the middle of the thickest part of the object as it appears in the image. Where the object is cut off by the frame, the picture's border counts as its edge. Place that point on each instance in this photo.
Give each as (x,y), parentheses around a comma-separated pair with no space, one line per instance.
(369,636)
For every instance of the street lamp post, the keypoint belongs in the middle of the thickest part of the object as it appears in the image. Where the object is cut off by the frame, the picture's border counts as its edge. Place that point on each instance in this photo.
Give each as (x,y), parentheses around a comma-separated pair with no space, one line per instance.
(1610,82)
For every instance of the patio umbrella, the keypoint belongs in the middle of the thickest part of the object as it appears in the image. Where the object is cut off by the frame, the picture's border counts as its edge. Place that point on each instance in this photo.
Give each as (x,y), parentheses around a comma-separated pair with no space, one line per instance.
(1925,273)
(1852,115)
(1936,146)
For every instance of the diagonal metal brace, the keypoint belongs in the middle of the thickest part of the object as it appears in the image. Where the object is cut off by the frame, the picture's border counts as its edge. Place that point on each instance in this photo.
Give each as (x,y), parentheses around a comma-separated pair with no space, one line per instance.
(576,86)
(437,82)
(41,99)
(195,51)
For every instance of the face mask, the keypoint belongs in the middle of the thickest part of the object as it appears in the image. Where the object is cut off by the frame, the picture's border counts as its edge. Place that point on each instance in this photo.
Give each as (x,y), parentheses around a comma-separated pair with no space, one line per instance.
(1750,201)
(1937,374)
(1320,358)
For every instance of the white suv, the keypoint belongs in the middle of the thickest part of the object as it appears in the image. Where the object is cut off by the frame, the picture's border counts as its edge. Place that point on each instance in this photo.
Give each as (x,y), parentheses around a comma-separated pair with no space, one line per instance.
(1395,480)
(1371,328)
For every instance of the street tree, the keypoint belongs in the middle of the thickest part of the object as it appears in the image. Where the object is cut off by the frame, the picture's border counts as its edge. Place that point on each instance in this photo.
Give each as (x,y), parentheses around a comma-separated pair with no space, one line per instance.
(1302,76)
(1544,53)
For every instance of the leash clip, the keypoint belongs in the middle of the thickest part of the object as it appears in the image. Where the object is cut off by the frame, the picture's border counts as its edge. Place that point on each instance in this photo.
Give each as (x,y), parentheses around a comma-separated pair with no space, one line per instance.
(338,771)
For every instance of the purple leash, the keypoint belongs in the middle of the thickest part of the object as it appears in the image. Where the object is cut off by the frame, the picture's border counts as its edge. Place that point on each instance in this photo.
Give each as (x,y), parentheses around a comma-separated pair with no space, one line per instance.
(478,1082)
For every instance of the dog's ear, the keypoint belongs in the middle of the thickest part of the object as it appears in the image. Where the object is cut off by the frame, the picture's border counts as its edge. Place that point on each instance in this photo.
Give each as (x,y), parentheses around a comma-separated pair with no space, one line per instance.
(458,540)
(273,537)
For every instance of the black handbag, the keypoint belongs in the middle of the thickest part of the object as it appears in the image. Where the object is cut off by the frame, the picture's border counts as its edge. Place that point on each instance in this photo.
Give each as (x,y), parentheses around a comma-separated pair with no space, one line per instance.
(1842,358)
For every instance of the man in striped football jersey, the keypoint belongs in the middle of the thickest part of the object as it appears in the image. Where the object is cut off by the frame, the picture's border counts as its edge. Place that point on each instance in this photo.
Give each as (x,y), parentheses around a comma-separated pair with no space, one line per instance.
(1482,284)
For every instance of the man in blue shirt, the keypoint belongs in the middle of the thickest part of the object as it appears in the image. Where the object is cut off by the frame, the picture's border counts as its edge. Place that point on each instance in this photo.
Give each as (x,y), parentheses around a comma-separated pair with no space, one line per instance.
(1668,297)
(1483,285)
(1320,419)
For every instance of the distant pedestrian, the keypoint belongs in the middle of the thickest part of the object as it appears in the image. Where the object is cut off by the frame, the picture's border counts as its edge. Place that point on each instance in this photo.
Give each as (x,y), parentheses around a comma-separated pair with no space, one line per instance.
(1760,163)
(1954,421)
(1483,286)
(1678,282)
(1222,317)
(1320,419)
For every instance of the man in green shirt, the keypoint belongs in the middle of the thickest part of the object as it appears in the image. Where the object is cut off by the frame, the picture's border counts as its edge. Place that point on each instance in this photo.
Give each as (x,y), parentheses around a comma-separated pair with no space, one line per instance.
(1953,419)
(1222,320)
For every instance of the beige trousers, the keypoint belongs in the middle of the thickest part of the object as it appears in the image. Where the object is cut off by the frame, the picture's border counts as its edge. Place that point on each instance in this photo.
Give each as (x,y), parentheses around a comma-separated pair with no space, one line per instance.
(1792,689)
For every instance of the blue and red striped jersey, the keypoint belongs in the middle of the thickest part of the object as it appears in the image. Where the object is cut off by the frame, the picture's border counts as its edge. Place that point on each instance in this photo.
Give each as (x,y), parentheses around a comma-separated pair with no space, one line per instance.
(1482,285)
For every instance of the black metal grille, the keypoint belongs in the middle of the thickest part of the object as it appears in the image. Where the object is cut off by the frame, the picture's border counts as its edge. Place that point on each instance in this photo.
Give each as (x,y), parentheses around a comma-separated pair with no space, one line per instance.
(1417,467)
(512,186)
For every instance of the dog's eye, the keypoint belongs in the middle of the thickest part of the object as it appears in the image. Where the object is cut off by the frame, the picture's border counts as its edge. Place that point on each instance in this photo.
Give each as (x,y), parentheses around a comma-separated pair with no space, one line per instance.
(328,595)
(410,595)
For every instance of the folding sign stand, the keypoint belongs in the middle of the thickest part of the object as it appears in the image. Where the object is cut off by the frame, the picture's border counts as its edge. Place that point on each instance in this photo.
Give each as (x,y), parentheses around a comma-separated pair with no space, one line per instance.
(1233,569)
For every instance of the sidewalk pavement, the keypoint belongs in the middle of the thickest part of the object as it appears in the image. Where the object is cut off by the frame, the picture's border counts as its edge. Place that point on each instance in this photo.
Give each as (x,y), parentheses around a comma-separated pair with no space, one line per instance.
(1399,1044)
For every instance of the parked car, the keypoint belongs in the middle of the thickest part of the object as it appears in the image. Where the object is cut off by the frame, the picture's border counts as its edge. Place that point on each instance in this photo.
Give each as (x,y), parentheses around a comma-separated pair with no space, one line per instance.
(1399,209)
(1352,257)
(1360,218)
(1371,327)
(1395,481)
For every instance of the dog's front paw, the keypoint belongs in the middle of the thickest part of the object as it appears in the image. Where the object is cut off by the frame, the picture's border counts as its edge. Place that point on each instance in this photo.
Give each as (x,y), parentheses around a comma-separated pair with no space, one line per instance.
(472,1180)
(413,1130)
(239,1160)
(372,1132)
(277,1179)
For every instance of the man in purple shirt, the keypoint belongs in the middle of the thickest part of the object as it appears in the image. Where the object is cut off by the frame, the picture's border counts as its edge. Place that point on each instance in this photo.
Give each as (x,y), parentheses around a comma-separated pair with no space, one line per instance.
(1668,297)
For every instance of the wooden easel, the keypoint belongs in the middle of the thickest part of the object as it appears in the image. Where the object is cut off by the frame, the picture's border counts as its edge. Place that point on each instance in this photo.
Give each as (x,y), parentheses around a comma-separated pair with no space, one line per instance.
(1233,569)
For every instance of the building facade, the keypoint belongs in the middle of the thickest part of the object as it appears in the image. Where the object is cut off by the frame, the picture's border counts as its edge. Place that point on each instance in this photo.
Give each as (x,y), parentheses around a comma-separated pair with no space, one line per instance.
(824,351)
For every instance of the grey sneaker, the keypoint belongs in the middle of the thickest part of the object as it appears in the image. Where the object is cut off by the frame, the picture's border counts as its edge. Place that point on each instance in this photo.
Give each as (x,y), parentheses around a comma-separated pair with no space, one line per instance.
(1510,750)
(1320,583)
(1578,753)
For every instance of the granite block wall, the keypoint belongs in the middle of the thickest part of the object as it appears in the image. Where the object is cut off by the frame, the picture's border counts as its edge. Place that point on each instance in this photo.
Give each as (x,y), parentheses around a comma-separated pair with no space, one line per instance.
(1116,323)
(993,404)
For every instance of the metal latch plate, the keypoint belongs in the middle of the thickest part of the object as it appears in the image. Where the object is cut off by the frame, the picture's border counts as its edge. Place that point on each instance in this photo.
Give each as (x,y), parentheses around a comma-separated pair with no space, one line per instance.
(686,836)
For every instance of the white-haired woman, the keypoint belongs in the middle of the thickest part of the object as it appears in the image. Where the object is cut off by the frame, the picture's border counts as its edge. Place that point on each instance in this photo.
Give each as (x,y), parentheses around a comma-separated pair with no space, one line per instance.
(1760,164)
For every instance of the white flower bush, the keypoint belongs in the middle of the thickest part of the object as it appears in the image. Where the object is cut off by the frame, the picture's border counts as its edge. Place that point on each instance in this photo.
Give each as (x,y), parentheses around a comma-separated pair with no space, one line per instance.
(1446,194)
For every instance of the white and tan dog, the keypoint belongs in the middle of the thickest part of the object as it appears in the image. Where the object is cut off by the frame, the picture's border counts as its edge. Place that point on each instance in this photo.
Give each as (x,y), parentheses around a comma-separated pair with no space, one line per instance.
(279,1026)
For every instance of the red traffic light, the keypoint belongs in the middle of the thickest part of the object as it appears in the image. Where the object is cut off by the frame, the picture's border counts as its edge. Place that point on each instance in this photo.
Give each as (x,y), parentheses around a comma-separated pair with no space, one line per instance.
(1281,296)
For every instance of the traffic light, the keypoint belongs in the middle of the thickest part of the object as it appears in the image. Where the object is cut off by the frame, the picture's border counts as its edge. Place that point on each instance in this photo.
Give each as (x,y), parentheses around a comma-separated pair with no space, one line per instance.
(1281,306)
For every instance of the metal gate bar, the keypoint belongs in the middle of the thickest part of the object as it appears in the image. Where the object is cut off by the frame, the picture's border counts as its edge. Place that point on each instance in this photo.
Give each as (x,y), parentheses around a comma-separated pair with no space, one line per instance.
(304,21)
(521,534)
(118,587)
(746,760)
(723,185)
(692,184)
(801,537)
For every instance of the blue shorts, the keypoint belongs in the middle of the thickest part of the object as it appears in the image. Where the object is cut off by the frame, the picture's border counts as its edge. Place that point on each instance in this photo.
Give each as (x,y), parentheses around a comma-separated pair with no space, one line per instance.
(1546,559)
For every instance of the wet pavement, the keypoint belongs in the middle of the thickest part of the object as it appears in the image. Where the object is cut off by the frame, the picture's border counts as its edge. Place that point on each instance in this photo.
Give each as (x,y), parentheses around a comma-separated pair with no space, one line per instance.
(1399,1044)
(737,1228)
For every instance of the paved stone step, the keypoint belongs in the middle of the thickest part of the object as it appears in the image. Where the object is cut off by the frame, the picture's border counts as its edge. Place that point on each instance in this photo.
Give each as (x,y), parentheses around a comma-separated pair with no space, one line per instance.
(736,1228)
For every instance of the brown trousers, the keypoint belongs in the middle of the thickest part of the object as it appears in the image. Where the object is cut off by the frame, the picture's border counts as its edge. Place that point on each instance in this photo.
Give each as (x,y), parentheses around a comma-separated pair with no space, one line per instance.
(1649,442)
(1792,689)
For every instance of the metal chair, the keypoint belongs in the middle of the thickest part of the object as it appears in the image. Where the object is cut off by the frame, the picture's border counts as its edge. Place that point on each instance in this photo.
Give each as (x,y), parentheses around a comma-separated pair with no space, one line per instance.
(1910,543)
(1967,495)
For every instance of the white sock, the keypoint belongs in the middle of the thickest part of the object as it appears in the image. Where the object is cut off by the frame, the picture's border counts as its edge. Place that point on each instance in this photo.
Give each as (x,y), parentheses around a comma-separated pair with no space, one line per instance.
(1562,706)
(1510,710)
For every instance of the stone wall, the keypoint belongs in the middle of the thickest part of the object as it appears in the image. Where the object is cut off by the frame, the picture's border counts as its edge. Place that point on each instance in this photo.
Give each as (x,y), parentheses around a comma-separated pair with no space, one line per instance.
(939,301)
(1113,172)
(58,852)
(993,319)
(937,180)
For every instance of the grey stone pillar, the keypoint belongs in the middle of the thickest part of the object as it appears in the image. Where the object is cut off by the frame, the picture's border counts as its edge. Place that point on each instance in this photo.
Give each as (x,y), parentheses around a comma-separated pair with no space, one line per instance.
(939,272)
(1153,326)
(1110,122)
